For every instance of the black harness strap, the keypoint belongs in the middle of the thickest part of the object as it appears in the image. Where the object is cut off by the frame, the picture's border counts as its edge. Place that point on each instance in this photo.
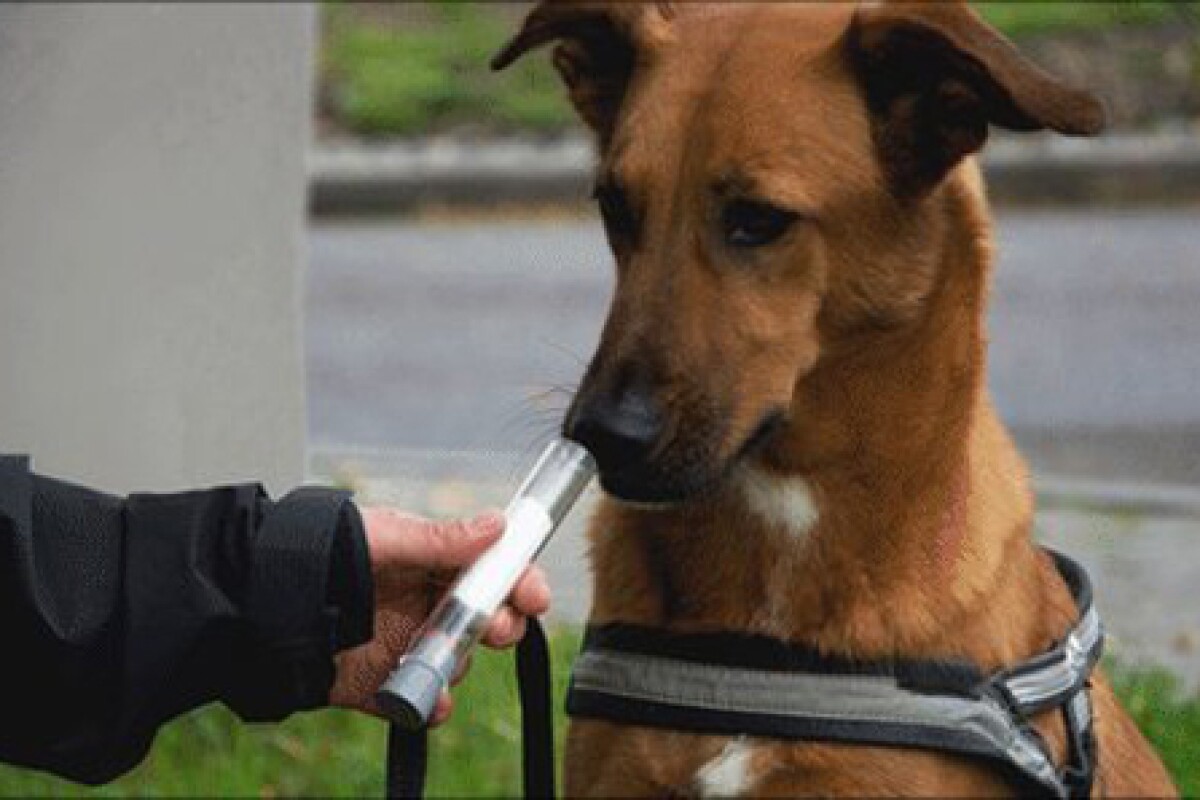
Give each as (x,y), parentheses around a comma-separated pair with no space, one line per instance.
(408,752)
(738,684)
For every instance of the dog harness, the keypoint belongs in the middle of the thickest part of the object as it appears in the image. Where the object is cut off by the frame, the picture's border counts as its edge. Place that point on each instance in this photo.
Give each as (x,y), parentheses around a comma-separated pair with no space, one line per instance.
(745,685)
(742,685)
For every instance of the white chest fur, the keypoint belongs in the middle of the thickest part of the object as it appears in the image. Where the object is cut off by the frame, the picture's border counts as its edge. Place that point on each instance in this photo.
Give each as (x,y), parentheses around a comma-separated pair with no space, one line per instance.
(729,774)
(783,502)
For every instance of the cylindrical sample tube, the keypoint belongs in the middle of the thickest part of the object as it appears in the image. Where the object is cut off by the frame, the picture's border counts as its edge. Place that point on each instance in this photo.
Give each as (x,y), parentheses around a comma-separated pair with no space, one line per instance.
(539,505)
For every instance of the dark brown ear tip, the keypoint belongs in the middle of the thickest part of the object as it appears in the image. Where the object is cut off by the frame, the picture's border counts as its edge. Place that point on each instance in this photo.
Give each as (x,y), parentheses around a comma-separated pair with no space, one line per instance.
(1100,119)
(504,58)
(1090,118)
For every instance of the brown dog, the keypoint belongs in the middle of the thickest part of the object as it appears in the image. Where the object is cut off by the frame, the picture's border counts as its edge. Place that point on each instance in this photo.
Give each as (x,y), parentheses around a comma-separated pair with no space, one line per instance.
(788,403)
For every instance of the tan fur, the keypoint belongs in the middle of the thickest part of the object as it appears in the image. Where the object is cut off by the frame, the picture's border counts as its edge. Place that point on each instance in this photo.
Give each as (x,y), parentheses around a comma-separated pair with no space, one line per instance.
(866,326)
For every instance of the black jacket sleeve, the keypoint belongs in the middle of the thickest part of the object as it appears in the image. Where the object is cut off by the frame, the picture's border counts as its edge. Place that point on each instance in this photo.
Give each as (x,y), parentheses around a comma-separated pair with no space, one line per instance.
(118,614)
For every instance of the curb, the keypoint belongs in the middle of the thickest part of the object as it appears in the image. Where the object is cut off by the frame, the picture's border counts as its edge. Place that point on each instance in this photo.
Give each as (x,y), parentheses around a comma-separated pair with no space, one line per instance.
(355,178)
(1116,497)
(1114,170)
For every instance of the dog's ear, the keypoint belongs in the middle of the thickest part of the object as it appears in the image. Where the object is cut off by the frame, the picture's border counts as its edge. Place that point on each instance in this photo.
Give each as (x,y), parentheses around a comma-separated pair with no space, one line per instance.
(599,45)
(935,75)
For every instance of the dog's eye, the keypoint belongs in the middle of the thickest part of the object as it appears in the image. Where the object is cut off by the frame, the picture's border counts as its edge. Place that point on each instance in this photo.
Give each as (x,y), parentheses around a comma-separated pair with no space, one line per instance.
(752,223)
(619,219)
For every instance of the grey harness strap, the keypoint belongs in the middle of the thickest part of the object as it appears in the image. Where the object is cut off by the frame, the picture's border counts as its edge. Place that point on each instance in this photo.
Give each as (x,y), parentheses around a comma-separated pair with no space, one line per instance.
(747,685)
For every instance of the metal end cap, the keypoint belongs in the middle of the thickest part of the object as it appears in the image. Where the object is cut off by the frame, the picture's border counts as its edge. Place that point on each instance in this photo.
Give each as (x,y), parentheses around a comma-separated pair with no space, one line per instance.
(409,695)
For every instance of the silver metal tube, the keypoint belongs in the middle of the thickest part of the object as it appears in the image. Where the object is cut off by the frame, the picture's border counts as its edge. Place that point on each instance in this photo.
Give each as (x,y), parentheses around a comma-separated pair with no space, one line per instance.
(454,627)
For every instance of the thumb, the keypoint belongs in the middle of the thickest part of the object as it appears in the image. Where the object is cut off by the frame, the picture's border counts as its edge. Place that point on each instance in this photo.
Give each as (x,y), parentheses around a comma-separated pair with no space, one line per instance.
(404,541)
(458,543)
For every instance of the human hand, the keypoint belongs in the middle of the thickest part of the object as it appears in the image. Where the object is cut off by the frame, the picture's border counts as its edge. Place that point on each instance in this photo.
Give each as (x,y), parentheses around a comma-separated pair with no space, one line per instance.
(413,561)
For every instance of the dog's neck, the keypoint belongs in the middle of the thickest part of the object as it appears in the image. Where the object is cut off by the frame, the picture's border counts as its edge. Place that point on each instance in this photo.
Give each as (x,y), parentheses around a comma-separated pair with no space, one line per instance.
(917,538)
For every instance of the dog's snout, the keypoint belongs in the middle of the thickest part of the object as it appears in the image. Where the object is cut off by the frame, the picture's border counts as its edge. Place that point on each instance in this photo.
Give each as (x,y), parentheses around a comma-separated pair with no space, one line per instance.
(619,429)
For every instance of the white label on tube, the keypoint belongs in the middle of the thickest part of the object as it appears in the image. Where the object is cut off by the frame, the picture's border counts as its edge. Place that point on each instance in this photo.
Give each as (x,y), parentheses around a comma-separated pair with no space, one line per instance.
(492,577)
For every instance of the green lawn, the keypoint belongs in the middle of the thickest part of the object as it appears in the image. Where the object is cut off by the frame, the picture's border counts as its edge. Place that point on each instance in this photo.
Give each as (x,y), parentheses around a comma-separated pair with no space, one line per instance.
(337,754)
(412,68)
(326,754)
(1026,18)
(1171,721)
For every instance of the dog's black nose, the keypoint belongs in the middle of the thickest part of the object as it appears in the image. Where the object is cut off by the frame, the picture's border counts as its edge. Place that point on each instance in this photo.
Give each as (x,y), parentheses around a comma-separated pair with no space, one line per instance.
(619,429)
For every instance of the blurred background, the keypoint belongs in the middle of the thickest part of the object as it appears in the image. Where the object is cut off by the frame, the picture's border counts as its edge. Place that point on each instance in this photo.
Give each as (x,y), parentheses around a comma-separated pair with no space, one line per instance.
(327,242)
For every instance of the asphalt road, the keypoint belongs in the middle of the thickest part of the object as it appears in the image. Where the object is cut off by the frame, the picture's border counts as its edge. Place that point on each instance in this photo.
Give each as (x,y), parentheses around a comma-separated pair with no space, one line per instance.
(431,348)
(427,337)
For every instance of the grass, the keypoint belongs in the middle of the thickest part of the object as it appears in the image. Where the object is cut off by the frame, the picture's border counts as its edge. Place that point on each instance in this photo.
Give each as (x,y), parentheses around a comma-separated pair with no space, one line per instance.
(210,753)
(1170,721)
(407,69)
(1019,19)
(338,754)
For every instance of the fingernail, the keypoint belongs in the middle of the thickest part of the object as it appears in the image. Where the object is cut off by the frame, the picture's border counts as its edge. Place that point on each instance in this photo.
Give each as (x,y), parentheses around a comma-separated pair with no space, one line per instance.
(491,520)
(543,583)
(442,710)
(541,586)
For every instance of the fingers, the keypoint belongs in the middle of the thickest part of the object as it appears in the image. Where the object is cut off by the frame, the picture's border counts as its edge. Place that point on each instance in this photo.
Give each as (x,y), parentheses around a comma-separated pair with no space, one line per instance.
(441,709)
(402,542)
(506,629)
(461,670)
(531,596)
(396,539)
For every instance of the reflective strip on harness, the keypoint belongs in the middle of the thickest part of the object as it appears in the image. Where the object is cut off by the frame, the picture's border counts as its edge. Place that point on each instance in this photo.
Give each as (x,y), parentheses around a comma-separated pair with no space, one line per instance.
(1049,680)
(731,684)
(848,708)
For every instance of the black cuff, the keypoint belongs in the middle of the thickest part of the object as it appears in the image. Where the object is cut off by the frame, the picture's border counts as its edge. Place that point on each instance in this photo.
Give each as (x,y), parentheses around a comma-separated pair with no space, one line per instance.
(351,588)
(286,602)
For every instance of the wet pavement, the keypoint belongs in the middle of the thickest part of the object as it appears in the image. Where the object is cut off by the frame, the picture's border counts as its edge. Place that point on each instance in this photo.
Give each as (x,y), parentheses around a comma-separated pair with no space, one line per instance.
(457,336)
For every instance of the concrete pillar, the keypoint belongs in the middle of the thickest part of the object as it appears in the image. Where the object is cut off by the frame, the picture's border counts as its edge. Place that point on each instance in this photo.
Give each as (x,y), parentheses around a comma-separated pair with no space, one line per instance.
(152,191)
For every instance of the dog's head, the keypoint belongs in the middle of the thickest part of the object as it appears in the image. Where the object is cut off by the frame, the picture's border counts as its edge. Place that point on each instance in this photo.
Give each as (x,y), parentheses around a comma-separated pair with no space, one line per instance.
(768,179)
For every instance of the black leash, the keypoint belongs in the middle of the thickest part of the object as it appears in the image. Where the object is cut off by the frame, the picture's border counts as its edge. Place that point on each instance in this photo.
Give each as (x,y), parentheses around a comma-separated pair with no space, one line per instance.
(407,755)
(537,712)
(408,751)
